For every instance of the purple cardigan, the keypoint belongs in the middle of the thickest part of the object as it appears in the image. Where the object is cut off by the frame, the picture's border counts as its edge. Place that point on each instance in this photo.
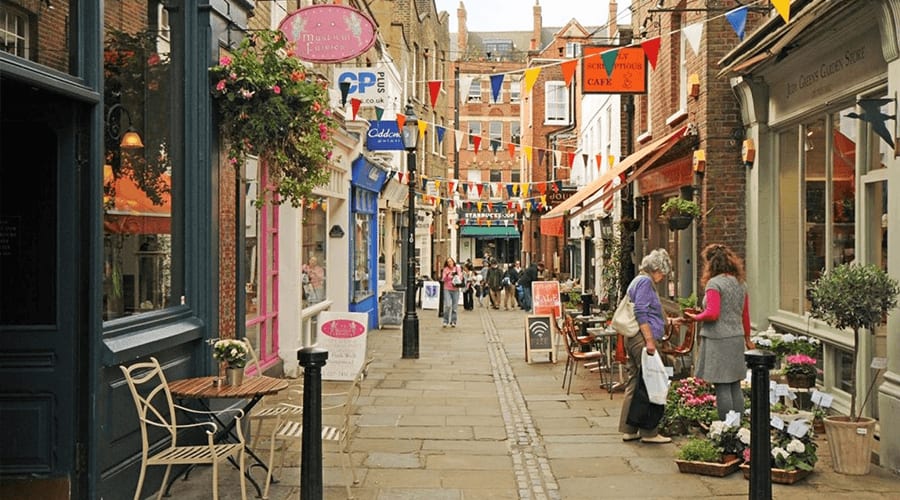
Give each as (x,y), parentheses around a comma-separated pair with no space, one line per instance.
(647,307)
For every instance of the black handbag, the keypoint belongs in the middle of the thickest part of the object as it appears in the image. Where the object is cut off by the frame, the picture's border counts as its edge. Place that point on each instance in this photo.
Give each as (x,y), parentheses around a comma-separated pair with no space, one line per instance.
(642,413)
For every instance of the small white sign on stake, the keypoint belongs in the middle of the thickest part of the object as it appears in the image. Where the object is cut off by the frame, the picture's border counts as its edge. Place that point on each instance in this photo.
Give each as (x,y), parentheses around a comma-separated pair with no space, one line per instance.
(798,428)
(777,423)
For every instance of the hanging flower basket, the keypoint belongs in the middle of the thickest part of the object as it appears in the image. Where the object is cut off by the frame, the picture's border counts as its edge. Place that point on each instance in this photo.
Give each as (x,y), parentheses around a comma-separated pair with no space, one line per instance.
(679,222)
(270,106)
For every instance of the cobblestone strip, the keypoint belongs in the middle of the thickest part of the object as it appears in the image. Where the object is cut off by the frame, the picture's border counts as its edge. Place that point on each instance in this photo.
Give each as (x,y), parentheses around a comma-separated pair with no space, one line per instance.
(532,469)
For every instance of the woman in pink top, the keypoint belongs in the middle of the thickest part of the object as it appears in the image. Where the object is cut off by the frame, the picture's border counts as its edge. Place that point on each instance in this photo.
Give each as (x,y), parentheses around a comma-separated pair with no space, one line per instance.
(450,272)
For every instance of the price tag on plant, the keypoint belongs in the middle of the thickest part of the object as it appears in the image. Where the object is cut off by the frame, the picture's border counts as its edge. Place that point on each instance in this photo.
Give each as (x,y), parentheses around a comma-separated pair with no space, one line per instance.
(777,423)
(782,390)
(773,397)
(798,428)
(879,363)
(733,419)
(826,400)
(790,395)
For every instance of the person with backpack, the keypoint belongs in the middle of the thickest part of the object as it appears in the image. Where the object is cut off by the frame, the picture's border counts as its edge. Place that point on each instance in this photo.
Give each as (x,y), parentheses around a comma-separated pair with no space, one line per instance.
(510,278)
(495,283)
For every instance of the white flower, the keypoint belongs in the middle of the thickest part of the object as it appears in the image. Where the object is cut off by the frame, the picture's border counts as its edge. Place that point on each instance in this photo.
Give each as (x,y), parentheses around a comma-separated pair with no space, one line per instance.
(744,435)
(803,338)
(716,428)
(796,446)
(765,343)
(787,337)
(779,452)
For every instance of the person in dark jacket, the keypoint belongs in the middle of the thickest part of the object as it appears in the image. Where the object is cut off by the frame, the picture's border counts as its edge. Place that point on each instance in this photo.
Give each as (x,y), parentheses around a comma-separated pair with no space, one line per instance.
(495,283)
(510,278)
(528,275)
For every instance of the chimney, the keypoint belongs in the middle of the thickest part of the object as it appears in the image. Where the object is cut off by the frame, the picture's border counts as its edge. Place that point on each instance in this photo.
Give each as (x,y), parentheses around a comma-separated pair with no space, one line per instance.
(613,11)
(462,33)
(536,30)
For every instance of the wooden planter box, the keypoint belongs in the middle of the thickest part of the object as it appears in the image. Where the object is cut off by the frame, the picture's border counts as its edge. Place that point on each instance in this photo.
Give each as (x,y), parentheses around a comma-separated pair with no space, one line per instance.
(780,476)
(708,468)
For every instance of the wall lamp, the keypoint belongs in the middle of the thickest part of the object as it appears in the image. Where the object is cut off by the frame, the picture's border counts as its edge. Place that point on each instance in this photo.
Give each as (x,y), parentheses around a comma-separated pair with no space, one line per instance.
(130,139)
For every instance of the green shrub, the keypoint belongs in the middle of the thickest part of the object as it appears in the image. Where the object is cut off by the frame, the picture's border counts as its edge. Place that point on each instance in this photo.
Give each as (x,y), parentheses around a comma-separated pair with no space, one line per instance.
(699,450)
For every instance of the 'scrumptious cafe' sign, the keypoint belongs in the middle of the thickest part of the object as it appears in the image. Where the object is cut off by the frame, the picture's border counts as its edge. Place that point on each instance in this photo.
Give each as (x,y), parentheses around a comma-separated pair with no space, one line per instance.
(328,33)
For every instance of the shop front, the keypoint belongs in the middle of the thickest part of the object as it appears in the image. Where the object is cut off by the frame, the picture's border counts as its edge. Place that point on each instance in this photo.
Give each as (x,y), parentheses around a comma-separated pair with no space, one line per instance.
(825,180)
(489,232)
(366,183)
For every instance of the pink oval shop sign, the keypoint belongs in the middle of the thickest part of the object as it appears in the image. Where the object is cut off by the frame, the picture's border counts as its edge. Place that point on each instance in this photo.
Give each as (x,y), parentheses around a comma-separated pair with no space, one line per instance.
(328,33)
(343,328)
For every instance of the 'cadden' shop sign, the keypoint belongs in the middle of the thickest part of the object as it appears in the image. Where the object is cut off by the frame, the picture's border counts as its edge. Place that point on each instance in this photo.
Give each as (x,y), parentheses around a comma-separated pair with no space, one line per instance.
(328,33)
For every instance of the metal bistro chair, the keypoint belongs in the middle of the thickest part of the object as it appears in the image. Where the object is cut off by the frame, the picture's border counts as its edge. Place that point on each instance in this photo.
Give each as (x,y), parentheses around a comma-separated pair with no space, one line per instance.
(148,378)
(682,351)
(574,353)
(338,430)
(266,411)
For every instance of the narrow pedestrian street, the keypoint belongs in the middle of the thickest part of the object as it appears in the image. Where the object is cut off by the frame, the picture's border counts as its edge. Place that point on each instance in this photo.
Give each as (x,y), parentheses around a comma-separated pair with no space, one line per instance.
(470,419)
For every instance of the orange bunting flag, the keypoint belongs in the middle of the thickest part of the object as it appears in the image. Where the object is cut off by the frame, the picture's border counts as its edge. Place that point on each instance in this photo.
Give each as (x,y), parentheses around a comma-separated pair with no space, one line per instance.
(490,207)
(512,150)
(597,159)
(651,49)
(476,141)
(542,188)
(401,121)
(451,187)
(434,88)
(400,177)
(568,69)
(354,105)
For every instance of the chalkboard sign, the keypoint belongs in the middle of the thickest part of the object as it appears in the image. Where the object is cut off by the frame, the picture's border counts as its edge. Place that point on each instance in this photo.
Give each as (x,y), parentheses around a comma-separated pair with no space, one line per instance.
(391,309)
(539,336)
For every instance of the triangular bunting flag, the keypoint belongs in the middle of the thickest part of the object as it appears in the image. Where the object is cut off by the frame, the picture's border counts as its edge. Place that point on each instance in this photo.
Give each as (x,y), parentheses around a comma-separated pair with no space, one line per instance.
(543,201)
(495,189)
(345,90)
(465,83)
(692,34)
(451,187)
(738,20)
(570,160)
(531,75)
(440,134)
(476,141)
(490,206)
(354,105)
(651,50)
(509,190)
(609,60)
(434,88)
(568,70)
(495,144)
(423,125)
(458,138)
(496,85)
(557,155)
(541,153)
(557,186)
(525,187)
(542,188)
(401,121)
(437,186)
(783,7)
(517,188)
(528,152)
(611,160)
(479,204)
(511,147)
(480,189)
(597,161)
(379,113)
(584,159)
(400,177)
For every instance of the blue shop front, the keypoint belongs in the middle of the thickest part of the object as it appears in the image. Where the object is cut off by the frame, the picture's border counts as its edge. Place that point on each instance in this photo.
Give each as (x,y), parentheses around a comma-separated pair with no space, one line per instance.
(366,182)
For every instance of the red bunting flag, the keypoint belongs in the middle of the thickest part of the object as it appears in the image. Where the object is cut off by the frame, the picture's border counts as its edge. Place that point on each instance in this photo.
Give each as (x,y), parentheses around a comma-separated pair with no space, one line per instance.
(401,121)
(434,88)
(571,159)
(568,69)
(542,188)
(400,177)
(354,105)
(651,49)
(476,141)
(512,150)
(480,188)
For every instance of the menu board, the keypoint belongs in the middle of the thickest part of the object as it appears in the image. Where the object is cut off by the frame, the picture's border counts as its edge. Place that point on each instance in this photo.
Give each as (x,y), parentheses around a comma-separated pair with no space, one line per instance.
(343,335)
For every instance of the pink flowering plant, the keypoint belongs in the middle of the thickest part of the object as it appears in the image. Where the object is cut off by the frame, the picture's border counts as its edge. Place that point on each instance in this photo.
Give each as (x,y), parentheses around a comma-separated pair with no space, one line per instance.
(691,402)
(269,105)
(800,364)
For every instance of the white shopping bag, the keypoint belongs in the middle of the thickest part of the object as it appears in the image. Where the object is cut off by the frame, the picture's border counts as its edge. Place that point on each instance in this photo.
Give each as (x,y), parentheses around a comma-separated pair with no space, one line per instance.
(655,377)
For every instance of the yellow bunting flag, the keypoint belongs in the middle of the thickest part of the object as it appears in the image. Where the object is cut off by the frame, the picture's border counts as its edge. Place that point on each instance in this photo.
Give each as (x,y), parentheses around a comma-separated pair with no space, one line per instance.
(525,190)
(531,75)
(528,152)
(423,125)
(783,7)
(478,204)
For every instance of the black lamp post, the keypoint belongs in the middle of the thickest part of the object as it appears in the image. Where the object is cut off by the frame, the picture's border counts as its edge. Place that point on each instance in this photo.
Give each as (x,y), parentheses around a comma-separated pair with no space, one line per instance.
(587,231)
(410,135)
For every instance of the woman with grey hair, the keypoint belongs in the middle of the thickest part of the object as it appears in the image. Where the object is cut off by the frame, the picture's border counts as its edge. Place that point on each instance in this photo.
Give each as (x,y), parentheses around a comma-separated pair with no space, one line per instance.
(651,320)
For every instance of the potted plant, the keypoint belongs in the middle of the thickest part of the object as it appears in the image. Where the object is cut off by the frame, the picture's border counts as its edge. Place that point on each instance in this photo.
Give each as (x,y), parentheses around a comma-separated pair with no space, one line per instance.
(793,455)
(701,455)
(679,212)
(233,353)
(800,370)
(691,402)
(271,106)
(852,296)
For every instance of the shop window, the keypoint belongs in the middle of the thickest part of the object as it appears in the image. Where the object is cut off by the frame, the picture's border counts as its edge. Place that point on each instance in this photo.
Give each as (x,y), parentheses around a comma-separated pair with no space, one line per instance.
(515,91)
(789,227)
(137,202)
(515,133)
(260,268)
(556,107)
(474,131)
(496,175)
(474,90)
(314,253)
(362,282)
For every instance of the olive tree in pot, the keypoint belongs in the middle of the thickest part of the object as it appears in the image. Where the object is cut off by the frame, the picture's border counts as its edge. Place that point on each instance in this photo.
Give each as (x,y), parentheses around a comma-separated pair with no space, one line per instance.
(852,296)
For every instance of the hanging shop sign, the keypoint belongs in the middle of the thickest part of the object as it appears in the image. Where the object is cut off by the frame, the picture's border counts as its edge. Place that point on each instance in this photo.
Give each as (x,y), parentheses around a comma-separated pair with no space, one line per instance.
(628,74)
(328,33)
(375,86)
(384,136)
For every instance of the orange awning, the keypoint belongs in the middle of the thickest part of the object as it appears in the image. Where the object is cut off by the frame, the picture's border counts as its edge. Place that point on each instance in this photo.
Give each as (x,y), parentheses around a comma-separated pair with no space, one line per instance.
(553,222)
(134,213)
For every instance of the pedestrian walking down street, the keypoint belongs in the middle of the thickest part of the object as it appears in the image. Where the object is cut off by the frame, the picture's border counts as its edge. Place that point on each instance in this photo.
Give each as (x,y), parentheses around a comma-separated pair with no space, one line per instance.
(469,290)
(452,280)
(528,275)
(494,283)
(651,320)
(725,327)
(510,278)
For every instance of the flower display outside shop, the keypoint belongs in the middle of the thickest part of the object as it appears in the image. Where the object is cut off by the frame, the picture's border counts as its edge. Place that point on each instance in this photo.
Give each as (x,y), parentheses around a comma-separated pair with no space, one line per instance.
(690,402)
(231,351)
(790,451)
(727,438)
(800,364)
(783,344)
(270,105)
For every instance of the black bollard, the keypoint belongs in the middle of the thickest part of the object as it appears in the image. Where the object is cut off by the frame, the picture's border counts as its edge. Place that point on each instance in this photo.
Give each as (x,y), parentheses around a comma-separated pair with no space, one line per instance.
(760,362)
(312,359)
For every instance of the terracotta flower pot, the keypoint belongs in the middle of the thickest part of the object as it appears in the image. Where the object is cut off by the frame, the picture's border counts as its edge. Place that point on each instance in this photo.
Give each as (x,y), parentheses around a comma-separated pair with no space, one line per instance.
(851,444)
